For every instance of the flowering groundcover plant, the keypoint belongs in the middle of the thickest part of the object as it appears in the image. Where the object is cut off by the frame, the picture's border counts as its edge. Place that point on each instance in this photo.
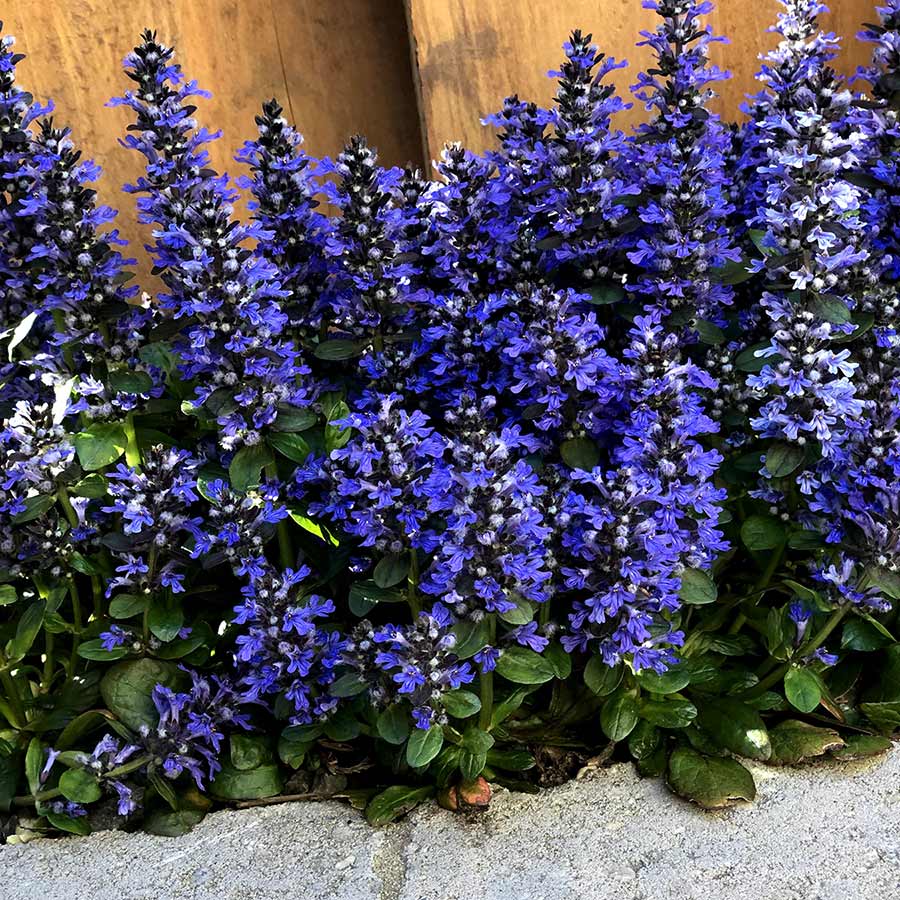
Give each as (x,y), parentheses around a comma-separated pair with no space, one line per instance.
(586,449)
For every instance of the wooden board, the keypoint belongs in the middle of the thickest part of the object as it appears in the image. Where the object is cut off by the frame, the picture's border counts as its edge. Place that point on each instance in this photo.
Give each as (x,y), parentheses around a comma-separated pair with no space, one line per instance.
(470,54)
(339,67)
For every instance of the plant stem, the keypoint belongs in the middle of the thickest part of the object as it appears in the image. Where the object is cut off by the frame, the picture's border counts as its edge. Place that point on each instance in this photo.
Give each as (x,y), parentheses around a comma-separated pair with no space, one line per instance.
(125,769)
(282,529)
(815,642)
(132,450)
(412,585)
(486,682)
(759,588)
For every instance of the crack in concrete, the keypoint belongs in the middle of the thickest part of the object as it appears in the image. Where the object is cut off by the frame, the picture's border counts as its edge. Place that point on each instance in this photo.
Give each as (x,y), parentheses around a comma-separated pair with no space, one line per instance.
(390,861)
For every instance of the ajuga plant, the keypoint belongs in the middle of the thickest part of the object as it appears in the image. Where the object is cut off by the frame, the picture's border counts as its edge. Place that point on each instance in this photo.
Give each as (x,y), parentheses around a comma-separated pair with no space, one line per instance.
(401,488)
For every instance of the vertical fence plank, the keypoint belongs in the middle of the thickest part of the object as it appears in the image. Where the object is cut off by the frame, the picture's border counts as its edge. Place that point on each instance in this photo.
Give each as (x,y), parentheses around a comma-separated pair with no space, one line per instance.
(342,67)
(470,54)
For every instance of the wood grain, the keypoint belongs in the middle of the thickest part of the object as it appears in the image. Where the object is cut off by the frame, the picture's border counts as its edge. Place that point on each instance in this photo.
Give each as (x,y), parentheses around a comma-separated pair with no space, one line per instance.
(339,67)
(470,54)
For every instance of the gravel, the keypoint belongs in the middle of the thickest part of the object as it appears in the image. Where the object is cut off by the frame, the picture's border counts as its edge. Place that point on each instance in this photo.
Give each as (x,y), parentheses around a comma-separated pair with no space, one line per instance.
(822,832)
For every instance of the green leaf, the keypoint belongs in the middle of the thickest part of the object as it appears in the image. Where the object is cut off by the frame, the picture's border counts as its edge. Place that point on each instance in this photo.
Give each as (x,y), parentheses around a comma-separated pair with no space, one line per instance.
(644,741)
(470,638)
(619,716)
(709,781)
(8,595)
(249,751)
(34,763)
(165,623)
(733,272)
(803,688)
(697,588)
(521,614)
(762,533)
(127,605)
(291,446)
(461,704)
(736,727)
(559,659)
(671,713)
(93,486)
(130,381)
(794,741)
(366,595)
(172,823)
(394,802)
(506,707)
(750,360)
(127,688)
(424,745)
(830,307)
(245,471)
(511,760)
(606,292)
(95,650)
(860,746)
(27,629)
(523,666)
(888,582)
(336,436)
(859,634)
(252,784)
(601,678)
(35,507)
(293,419)
(885,716)
(671,681)
(391,570)
(79,786)
(708,332)
(78,826)
(783,458)
(580,453)
(342,726)
(393,724)
(100,445)
(348,685)
(295,741)
(338,349)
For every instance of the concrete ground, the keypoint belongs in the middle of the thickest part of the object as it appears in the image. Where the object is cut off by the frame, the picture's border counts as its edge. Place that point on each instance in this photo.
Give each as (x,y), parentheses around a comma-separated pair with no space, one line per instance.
(823,832)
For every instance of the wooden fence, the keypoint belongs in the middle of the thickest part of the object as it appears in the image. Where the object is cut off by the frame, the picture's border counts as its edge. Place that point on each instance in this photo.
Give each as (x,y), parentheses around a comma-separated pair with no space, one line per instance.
(411,75)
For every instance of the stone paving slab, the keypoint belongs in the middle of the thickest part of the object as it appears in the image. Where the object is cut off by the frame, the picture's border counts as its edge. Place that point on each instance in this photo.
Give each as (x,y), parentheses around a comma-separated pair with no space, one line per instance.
(822,832)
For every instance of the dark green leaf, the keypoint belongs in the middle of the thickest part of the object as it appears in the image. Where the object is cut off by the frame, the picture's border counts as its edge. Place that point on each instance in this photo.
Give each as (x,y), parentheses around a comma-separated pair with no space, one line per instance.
(245,471)
(93,486)
(171,823)
(803,688)
(511,760)
(293,419)
(249,751)
(348,685)
(461,704)
(831,308)
(391,570)
(130,381)
(124,606)
(521,614)
(393,724)
(338,349)
(559,659)
(27,629)
(783,458)
(605,293)
(95,650)
(165,623)
(336,436)
(35,507)
(860,746)
(671,681)
(128,686)
(394,802)
(77,826)
(859,634)
(100,445)
(34,763)
(423,746)
(794,741)
(601,678)
(79,786)
(672,713)
(8,595)
(644,741)
(619,716)
(736,727)
(733,272)
(885,716)
(523,666)
(252,784)
(762,533)
(748,360)
(580,453)
(710,781)
(470,638)
(291,446)
(697,588)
